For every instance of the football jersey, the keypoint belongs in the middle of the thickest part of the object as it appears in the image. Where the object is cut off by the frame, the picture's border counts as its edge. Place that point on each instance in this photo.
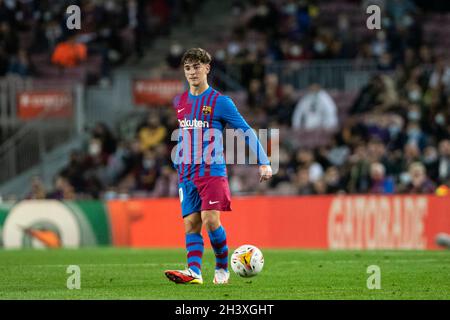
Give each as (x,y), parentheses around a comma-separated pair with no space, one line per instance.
(201,121)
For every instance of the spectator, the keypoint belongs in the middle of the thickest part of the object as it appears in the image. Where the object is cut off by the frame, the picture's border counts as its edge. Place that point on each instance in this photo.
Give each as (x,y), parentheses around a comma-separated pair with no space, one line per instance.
(21,64)
(69,53)
(252,67)
(167,183)
(379,183)
(419,181)
(440,76)
(173,59)
(396,138)
(255,96)
(415,135)
(398,118)
(53,33)
(147,174)
(376,126)
(151,133)
(411,154)
(338,152)
(359,175)
(429,159)
(75,170)
(103,142)
(440,168)
(379,45)
(63,190)
(306,159)
(304,185)
(38,191)
(286,104)
(399,10)
(369,96)
(320,187)
(315,110)
(333,180)
(438,120)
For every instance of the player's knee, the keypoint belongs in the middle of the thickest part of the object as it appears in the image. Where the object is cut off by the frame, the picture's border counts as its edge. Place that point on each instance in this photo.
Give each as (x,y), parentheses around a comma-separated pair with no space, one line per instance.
(211,222)
(192,225)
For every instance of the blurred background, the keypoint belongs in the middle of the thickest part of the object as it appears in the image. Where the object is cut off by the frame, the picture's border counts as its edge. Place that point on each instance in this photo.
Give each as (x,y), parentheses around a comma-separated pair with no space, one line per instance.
(86,114)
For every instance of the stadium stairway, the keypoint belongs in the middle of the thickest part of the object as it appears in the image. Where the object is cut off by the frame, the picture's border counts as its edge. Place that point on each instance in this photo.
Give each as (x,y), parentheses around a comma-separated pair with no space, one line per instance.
(51,164)
(213,16)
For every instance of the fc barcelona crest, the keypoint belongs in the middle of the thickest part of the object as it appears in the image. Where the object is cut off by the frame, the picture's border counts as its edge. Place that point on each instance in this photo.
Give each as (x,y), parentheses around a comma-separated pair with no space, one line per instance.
(206,110)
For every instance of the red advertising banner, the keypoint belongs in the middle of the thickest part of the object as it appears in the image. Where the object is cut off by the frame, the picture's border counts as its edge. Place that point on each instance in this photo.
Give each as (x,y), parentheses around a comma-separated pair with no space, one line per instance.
(322,222)
(31,104)
(156,92)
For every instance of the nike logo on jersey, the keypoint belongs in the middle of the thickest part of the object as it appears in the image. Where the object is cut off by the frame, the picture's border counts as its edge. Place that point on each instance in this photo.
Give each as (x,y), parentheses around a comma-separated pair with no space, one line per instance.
(213,202)
(179,110)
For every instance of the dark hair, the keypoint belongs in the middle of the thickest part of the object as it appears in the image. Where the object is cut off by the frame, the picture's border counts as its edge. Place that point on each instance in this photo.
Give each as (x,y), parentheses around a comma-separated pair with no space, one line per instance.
(196,55)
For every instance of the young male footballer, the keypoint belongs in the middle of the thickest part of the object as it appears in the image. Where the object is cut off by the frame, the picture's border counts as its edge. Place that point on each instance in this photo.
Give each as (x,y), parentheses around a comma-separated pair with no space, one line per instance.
(203,112)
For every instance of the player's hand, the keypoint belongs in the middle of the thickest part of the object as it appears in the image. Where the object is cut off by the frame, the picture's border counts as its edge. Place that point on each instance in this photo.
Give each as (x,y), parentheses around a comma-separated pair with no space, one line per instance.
(265,172)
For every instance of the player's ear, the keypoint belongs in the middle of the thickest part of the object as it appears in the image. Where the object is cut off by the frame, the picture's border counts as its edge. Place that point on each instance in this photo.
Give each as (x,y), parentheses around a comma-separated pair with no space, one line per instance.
(208,68)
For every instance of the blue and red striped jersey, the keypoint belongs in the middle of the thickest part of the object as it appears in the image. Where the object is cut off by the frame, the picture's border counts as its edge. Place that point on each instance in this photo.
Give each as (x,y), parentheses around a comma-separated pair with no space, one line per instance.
(201,121)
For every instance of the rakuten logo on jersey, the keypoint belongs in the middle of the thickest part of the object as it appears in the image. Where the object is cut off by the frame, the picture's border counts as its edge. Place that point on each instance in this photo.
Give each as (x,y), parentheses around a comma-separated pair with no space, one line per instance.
(188,124)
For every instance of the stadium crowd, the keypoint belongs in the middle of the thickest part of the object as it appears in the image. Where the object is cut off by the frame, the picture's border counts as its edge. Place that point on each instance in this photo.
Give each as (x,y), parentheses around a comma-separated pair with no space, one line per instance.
(394,138)
(34,36)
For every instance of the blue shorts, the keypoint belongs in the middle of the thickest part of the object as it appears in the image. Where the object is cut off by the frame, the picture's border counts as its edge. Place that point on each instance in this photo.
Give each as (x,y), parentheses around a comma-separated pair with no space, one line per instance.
(204,193)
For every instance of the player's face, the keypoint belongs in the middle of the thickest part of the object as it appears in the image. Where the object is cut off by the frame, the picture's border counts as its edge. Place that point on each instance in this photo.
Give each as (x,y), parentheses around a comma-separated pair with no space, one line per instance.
(196,73)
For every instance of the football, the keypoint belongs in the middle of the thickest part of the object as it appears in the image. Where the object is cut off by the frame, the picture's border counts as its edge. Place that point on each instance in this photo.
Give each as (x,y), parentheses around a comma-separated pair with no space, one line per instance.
(247,261)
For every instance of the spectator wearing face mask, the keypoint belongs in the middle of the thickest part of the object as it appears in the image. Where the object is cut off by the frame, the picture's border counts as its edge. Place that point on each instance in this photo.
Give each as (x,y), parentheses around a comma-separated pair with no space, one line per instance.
(415,135)
(429,159)
(148,172)
(380,44)
(296,52)
(439,120)
(397,137)
(419,182)
(414,93)
(305,158)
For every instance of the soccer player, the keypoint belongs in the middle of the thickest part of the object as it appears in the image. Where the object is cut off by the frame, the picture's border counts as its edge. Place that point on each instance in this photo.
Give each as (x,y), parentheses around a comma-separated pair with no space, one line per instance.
(203,184)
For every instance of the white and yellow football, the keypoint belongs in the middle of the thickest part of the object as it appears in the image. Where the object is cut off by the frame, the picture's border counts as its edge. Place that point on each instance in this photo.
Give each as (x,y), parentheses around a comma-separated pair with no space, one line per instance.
(247,261)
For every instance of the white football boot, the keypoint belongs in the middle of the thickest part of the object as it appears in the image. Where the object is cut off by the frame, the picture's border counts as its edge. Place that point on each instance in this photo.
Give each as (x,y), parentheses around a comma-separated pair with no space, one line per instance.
(221,276)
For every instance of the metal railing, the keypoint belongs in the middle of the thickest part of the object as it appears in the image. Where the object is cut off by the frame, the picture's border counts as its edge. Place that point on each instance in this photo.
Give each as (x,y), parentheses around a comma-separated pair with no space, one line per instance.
(348,75)
(9,87)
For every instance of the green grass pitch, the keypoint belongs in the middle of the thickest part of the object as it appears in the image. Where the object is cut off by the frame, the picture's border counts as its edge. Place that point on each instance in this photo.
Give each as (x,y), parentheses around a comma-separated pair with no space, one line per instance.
(112,273)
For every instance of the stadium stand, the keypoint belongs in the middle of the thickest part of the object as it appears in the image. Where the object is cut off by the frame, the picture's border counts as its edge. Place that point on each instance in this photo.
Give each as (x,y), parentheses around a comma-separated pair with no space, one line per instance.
(391,88)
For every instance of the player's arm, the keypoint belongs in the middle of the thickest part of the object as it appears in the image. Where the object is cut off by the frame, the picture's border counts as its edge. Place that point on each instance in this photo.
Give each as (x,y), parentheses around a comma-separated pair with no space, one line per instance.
(232,116)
